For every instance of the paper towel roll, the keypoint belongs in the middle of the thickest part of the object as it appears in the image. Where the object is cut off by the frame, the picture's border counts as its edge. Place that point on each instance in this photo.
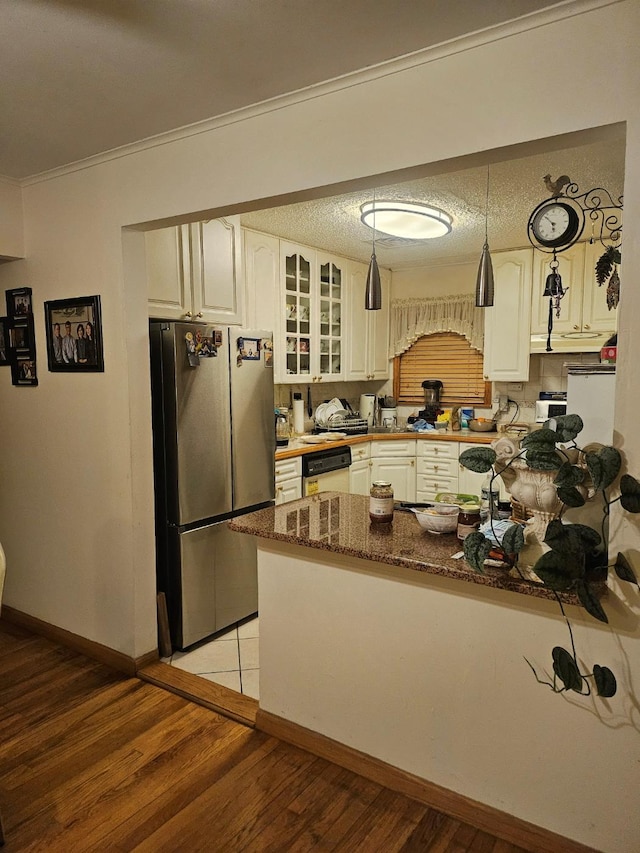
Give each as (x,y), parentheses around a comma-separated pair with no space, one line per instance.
(298,416)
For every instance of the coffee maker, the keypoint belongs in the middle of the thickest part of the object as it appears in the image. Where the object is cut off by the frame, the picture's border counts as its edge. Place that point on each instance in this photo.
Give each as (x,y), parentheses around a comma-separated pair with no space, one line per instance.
(432,390)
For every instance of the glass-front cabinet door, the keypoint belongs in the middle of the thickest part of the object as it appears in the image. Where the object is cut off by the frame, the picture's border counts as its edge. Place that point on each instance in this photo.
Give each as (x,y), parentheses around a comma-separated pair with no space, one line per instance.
(298,313)
(330,315)
(313,315)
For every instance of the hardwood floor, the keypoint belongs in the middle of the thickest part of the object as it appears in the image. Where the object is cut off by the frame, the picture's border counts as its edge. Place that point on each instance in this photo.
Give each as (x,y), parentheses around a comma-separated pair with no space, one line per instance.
(93,760)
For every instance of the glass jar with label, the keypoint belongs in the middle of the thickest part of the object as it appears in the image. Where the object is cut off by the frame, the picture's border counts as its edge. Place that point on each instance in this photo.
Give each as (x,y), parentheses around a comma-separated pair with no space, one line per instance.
(468,520)
(381,502)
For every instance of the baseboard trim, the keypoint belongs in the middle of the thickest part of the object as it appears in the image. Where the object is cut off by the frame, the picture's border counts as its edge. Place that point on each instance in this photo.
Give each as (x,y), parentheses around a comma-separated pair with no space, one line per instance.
(89,648)
(210,695)
(483,817)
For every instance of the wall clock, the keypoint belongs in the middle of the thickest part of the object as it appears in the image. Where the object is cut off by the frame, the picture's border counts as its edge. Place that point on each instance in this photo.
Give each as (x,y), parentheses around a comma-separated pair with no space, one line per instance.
(555,224)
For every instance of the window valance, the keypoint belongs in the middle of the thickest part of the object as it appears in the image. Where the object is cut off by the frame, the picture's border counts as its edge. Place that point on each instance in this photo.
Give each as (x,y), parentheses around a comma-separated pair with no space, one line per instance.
(413,318)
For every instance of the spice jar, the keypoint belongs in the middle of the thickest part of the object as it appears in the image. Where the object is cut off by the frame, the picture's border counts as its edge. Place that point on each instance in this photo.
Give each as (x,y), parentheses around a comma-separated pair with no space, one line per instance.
(468,520)
(381,502)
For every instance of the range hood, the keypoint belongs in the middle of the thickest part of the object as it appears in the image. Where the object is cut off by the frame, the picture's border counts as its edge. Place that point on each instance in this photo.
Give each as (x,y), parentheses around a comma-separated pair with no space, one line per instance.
(571,342)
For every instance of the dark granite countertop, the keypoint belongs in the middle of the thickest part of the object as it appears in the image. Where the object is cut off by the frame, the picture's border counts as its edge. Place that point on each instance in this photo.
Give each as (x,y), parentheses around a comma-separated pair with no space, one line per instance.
(338,522)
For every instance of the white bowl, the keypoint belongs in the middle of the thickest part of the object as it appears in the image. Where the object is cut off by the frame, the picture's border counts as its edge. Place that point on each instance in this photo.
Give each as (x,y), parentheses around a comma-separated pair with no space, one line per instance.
(437,520)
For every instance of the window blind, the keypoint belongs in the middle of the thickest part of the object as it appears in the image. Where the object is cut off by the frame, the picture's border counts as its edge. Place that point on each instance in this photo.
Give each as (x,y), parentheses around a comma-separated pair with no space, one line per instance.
(448,357)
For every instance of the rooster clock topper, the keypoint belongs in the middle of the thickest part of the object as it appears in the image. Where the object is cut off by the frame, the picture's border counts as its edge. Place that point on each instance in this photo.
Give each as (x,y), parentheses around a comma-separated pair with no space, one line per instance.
(559,222)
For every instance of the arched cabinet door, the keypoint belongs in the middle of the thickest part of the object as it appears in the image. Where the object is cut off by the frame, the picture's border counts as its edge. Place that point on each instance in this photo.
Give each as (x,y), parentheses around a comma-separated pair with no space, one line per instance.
(507,324)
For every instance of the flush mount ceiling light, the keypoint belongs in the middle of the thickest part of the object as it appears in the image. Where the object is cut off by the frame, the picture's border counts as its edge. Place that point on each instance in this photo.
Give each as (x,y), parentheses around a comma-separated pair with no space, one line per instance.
(408,219)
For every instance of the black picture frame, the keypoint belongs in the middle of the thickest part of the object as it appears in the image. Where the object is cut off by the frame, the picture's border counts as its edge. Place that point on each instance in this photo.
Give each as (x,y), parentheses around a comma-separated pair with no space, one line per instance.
(70,315)
(5,353)
(24,371)
(19,302)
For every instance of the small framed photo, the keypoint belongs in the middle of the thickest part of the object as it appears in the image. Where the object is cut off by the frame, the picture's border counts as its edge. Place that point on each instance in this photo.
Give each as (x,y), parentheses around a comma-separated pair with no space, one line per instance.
(74,335)
(19,302)
(23,371)
(249,349)
(4,342)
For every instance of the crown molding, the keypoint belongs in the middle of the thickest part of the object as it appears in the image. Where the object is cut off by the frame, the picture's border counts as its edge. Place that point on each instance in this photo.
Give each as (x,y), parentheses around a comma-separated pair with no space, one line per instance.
(533,20)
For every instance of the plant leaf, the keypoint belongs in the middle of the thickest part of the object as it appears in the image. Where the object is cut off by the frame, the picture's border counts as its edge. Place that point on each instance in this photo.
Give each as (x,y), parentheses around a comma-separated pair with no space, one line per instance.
(624,570)
(589,537)
(604,466)
(606,684)
(513,539)
(543,460)
(476,549)
(559,571)
(590,602)
(569,475)
(630,493)
(570,538)
(540,439)
(570,496)
(479,459)
(567,427)
(566,669)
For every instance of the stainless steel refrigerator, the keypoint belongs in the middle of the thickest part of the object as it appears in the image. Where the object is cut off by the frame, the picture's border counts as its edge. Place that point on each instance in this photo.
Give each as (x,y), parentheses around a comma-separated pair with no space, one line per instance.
(214,443)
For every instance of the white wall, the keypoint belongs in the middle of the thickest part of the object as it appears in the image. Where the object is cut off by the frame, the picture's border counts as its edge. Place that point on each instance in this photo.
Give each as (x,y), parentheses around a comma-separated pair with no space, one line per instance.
(428,674)
(75,460)
(429,282)
(11,225)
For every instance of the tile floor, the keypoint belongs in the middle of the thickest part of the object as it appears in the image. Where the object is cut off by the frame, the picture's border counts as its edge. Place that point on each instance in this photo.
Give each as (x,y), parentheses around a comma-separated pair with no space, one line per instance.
(231,659)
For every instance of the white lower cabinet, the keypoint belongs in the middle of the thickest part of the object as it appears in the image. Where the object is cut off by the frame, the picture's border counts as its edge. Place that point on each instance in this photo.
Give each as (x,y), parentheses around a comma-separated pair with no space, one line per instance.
(469,482)
(395,463)
(437,463)
(288,480)
(360,470)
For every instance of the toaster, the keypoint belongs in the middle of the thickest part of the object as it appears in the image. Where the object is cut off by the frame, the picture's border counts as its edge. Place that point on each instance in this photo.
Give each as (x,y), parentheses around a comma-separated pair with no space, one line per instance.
(546,409)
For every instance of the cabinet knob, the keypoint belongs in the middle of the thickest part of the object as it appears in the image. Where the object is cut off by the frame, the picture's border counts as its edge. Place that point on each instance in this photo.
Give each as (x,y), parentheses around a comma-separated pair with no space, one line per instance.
(199,314)
(188,314)
(278,489)
(577,328)
(587,326)
(486,377)
(413,462)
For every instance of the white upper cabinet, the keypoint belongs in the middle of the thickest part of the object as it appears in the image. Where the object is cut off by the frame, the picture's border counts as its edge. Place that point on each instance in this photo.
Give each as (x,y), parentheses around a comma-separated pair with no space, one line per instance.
(216,266)
(262,278)
(311,316)
(507,331)
(367,334)
(583,308)
(194,272)
(168,272)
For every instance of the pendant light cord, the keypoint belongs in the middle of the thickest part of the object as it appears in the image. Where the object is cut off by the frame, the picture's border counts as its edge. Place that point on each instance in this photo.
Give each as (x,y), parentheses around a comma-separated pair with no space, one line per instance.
(486,211)
(373,241)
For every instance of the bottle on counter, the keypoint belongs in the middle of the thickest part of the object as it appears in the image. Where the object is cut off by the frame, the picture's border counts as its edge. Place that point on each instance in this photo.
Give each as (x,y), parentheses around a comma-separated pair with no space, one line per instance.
(381,502)
(489,500)
(283,428)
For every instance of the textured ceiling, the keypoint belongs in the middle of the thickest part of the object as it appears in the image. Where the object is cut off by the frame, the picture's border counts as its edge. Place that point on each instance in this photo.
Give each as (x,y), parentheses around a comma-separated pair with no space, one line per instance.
(516,187)
(79,77)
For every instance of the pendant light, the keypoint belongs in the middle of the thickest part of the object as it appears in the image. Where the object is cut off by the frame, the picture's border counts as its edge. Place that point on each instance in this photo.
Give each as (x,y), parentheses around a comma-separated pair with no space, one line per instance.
(373,291)
(484,281)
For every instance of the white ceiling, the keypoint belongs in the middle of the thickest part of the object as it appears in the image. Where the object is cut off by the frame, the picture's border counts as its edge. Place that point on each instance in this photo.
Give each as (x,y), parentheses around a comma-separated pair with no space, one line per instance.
(516,187)
(81,77)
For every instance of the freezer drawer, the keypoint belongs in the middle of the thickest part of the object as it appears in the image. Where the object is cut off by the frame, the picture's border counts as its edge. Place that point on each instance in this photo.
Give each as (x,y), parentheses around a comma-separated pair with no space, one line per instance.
(218,581)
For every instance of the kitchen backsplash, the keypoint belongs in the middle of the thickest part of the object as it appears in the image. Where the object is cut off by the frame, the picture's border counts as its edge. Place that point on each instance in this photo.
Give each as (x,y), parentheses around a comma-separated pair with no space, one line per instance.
(547,372)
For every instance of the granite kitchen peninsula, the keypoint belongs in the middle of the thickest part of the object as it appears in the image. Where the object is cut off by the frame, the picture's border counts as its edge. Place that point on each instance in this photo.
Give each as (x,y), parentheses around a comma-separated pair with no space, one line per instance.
(380,652)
